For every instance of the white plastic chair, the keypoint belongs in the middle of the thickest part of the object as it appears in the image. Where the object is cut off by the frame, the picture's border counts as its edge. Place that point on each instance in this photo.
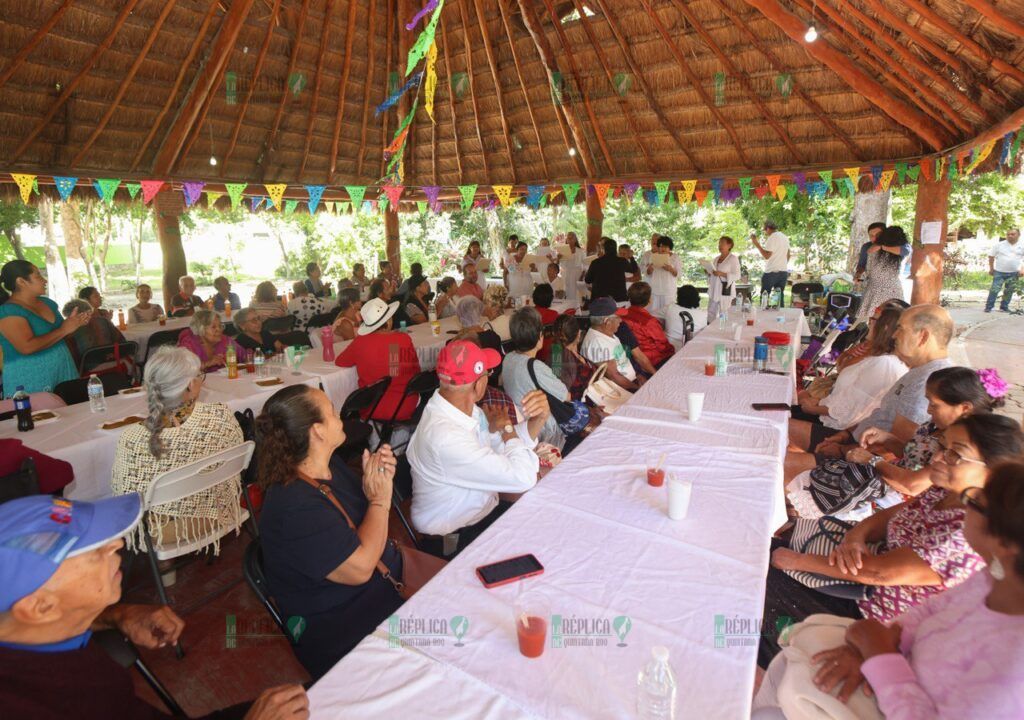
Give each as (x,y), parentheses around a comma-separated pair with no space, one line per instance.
(185,481)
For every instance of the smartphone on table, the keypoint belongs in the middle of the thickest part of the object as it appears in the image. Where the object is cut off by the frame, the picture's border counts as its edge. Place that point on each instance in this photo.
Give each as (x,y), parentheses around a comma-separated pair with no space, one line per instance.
(507,571)
(770,406)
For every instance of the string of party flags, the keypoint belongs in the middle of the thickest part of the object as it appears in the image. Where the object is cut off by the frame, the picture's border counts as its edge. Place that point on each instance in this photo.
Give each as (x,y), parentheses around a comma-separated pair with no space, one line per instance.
(815,184)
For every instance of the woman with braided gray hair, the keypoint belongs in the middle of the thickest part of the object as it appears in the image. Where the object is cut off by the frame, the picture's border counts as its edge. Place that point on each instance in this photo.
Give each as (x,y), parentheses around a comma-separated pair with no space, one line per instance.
(178,431)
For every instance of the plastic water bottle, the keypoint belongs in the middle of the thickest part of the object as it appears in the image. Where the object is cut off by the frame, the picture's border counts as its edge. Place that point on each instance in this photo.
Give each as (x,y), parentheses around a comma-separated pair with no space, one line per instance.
(723,320)
(656,688)
(23,407)
(97,402)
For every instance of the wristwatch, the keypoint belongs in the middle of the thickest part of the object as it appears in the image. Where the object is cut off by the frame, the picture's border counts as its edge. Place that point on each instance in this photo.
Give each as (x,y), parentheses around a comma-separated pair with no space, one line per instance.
(508,430)
(875,459)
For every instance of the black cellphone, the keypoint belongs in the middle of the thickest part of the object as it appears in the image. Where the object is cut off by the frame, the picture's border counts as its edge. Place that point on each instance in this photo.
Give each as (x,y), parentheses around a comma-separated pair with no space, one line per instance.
(506,571)
(770,406)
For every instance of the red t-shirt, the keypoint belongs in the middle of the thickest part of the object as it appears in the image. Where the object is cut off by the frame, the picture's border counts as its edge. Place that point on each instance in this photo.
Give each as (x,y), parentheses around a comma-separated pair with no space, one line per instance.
(650,336)
(377,355)
(53,474)
(468,288)
(547,315)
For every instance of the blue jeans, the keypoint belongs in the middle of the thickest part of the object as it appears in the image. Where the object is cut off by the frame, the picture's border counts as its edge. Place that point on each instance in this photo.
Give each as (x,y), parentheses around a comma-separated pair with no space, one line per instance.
(1005,281)
(774,281)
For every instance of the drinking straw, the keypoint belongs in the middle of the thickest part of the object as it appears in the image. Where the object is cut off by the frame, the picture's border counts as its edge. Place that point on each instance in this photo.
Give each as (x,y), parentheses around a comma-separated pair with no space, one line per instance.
(661,461)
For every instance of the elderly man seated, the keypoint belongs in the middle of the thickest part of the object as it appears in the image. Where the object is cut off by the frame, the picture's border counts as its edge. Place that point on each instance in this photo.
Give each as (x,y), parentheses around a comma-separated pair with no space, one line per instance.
(462,456)
(601,346)
(185,302)
(59,582)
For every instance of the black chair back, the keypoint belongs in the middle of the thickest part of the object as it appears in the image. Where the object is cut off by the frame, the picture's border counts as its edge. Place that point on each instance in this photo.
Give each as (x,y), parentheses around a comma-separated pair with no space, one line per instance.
(687,319)
(161,337)
(322,320)
(252,568)
(365,399)
(294,337)
(123,652)
(120,357)
(76,391)
(230,330)
(279,325)
(21,483)
(842,305)
(247,422)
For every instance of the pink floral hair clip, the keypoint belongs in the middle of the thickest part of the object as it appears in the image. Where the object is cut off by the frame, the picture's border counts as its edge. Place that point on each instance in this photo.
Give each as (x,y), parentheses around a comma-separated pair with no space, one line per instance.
(994,385)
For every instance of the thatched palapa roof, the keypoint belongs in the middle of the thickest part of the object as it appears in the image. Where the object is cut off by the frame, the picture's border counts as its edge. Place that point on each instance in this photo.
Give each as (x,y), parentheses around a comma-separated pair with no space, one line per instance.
(285,90)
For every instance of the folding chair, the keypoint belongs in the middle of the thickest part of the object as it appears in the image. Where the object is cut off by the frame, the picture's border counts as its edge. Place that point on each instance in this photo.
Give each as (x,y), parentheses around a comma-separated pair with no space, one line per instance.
(122,651)
(247,422)
(363,401)
(401,489)
(252,569)
(322,320)
(20,483)
(422,384)
(76,391)
(119,357)
(279,325)
(160,337)
(687,319)
(183,482)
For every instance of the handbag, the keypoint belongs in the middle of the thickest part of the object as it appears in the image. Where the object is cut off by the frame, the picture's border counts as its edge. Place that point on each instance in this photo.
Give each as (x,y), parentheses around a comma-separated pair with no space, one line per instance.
(837,486)
(797,695)
(820,536)
(572,416)
(417,567)
(604,393)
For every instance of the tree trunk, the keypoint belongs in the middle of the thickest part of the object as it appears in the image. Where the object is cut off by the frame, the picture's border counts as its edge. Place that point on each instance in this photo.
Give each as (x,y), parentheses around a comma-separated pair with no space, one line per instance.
(58,287)
(167,208)
(15,240)
(869,207)
(926,262)
(71,223)
(101,256)
(595,220)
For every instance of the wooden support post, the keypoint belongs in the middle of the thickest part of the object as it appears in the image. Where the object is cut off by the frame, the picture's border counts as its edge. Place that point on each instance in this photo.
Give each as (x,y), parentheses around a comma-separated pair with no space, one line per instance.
(392,240)
(168,207)
(926,263)
(595,219)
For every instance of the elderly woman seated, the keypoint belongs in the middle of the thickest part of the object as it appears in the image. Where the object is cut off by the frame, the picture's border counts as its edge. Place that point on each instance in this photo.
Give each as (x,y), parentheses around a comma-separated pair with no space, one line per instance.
(99,331)
(495,302)
(474,326)
(924,551)
(205,337)
(250,335)
(266,301)
(957,654)
(304,305)
(178,431)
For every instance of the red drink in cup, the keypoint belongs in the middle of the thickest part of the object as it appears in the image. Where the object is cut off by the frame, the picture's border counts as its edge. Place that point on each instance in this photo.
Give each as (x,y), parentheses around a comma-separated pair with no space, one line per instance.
(655,477)
(709,369)
(750,322)
(532,632)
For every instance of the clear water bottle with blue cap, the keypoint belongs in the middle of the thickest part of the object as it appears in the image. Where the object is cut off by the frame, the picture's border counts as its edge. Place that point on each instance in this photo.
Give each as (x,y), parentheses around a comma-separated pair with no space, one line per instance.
(97,402)
(656,688)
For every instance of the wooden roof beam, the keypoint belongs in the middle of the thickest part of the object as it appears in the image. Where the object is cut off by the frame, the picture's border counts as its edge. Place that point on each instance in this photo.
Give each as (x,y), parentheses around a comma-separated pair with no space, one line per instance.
(346,66)
(877,30)
(522,86)
(207,19)
(889,69)
(867,87)
(206,79)
(257,69)
(317,80)
(823,116)
(70,87)
(964,39)
(742,77)
(641,77)
(451,99)
(385,120)
(123,88)
(652,166)
(997,17)
(33,41)
(268,144)
(547,58)
(371,13)
(492,63)
(577,77)
(472,89)
(695,82)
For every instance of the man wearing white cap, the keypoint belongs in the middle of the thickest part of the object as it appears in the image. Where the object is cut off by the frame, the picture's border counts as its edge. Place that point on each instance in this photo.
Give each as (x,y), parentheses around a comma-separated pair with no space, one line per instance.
(462,457)
(59,581)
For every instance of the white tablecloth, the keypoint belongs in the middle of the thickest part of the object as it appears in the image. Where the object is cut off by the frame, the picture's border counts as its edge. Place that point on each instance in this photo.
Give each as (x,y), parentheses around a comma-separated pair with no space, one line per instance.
(609,550)
(76,436)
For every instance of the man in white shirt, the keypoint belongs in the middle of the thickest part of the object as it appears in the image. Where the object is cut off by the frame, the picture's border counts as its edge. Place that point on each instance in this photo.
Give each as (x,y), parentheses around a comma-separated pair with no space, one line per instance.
(775,251)
(520,278)
(1004,265)
(662,277)
(602,347)
(462,457)
(556,282)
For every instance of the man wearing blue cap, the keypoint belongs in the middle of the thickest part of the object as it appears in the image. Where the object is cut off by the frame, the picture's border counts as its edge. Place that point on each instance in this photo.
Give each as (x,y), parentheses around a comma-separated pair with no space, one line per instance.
(60,578)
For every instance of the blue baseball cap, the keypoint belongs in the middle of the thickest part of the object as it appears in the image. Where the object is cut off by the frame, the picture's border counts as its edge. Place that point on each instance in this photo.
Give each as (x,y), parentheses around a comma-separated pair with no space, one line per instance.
(603,307)
(39,532)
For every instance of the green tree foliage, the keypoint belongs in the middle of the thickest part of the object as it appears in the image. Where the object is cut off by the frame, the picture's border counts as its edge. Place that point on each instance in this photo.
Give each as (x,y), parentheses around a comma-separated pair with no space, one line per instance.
(13,215)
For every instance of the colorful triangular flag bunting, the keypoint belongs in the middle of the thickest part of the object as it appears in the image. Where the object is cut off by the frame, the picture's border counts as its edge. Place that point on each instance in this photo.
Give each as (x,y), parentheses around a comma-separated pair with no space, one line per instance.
(65,185)
(149,189)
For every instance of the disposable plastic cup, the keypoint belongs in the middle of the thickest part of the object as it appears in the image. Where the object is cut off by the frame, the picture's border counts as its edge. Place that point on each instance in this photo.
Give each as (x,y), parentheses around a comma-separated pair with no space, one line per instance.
(678,497)
(531,619)
(695,405)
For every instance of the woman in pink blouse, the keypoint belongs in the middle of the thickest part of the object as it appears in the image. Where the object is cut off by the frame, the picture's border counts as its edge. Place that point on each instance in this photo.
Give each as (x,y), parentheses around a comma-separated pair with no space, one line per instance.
(959,653)
(205,337)
(925,550)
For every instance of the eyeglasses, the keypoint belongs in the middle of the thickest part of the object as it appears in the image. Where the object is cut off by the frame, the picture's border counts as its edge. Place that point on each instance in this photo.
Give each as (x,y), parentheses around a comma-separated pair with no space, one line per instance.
(201,377)
(971,497)
(952,458)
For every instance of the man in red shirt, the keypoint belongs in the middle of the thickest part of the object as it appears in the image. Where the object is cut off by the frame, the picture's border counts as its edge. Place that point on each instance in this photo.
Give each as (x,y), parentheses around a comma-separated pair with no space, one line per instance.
(469,285)
(651,337)
(378,352)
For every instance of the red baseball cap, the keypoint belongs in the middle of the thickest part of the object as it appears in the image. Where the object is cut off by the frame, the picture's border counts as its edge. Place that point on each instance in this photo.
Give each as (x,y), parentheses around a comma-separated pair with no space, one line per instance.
(462,362)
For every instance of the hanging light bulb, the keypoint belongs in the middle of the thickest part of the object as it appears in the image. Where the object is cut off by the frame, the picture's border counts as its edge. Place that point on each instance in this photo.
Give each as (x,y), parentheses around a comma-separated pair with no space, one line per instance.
(811,35)
(572,152)
(213,161)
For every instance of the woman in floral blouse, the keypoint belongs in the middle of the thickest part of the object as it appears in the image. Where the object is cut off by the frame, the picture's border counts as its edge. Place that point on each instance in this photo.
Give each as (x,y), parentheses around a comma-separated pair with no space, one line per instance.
(925,551)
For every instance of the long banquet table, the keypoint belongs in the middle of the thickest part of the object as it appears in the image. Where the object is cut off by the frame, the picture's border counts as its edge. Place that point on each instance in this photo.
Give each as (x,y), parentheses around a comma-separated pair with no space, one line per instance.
(609,551)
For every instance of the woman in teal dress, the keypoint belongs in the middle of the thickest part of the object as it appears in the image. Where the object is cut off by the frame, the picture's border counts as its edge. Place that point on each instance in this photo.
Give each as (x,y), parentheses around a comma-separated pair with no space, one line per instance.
(32,332)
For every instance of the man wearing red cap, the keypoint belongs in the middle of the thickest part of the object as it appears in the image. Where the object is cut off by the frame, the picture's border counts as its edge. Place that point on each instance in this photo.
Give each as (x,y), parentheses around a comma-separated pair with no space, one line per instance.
(463,456)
